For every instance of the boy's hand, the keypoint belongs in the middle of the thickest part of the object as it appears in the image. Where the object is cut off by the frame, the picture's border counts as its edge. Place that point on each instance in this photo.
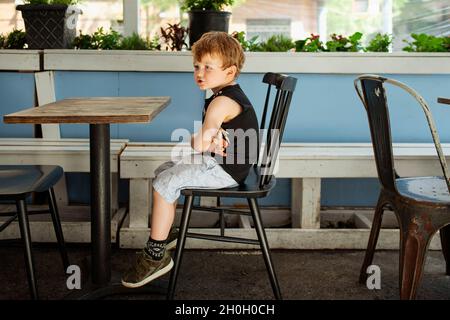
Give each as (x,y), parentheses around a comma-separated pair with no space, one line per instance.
(219,143)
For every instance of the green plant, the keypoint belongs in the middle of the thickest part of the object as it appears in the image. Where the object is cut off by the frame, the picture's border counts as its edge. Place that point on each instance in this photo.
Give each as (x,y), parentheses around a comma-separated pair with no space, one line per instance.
(427,43)
(15,40)
(98,40)
(247,45)
(343,44)
(310,44)
(379,43)
(66,2)
(174,36)
(215,5)
(135,42)
(277,43)
(106,40)
(2,41)
(83,41)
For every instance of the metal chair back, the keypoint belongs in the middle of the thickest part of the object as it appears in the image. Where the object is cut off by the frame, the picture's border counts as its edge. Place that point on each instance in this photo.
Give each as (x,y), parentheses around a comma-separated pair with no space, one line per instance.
(373,97)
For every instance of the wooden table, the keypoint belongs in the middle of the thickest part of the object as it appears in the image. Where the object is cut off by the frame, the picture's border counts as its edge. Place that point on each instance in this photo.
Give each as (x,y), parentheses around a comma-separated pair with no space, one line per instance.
(99,113)
(444,100)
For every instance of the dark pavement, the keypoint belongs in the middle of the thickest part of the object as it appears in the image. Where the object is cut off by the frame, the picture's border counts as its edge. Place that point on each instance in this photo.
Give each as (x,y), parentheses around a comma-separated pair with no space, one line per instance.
(223,275)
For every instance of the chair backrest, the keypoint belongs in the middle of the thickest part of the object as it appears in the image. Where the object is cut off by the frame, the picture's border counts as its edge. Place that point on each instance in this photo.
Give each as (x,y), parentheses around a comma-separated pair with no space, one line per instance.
(284,88)
(374,99)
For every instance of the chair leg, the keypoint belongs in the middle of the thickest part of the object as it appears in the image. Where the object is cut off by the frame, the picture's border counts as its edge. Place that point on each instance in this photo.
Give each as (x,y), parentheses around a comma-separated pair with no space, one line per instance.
(58,229)
(413,248)
(373,239)
(445,243)
(187,209)
(264,246)
(26,238)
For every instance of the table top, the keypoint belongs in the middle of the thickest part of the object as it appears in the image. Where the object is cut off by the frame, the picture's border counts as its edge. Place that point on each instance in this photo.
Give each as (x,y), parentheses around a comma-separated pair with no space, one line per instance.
(93,110)
(444,100)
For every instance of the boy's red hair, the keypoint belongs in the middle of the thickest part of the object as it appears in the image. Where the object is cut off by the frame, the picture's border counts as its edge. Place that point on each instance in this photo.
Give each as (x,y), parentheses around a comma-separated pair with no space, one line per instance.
(220,44)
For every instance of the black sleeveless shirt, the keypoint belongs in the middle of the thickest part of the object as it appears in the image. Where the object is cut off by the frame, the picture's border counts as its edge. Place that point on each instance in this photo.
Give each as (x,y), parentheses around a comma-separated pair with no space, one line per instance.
(243,133)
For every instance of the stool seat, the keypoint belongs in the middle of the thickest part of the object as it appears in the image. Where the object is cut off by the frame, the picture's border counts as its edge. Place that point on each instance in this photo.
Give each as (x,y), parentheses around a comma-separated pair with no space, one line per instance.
(17,183)
(19,180)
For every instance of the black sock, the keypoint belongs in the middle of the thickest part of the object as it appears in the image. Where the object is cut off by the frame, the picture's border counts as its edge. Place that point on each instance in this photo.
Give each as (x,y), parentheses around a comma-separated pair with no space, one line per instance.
(155,248)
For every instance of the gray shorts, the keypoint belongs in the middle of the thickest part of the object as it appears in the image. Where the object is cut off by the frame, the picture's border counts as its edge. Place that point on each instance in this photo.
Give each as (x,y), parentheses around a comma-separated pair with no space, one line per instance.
(192,171)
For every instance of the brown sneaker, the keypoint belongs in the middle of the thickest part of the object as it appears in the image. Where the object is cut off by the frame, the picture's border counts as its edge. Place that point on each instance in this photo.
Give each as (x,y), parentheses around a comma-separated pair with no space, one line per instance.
(146,269)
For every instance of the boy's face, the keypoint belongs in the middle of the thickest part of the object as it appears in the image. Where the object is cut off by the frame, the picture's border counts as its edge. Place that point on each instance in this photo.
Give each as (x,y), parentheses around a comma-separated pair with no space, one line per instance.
(209,74)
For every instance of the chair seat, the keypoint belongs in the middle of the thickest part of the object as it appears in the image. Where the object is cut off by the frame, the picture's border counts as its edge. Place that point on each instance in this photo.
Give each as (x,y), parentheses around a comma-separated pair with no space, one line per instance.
(20,180)
(248,189)
(428,189)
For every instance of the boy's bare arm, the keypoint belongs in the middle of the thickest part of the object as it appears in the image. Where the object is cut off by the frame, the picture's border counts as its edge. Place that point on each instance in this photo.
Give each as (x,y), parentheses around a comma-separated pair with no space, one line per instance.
(220,109)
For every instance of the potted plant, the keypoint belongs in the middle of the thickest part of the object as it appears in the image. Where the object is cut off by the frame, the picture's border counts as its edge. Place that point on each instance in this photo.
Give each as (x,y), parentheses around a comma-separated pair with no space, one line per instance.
(49,24)
(206,15)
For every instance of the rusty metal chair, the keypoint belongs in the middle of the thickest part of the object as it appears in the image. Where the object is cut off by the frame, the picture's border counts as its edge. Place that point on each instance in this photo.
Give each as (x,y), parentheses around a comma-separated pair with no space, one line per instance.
(17,183)
(421,204)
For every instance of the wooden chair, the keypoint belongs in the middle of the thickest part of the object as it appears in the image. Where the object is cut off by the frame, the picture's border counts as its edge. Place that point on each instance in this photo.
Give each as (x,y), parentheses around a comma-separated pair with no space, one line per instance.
(258,184)
(421,204)
(17,183)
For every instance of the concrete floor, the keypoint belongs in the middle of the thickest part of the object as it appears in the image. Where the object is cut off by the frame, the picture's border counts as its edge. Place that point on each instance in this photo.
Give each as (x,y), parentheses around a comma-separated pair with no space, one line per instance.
(316,274)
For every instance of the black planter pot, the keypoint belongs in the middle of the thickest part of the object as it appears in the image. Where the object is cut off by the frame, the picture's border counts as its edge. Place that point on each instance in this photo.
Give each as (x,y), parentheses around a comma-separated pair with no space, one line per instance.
(49,26)
(202,21)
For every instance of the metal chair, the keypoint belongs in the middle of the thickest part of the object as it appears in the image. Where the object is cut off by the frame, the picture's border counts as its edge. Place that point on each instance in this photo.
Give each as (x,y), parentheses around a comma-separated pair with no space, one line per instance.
(17,183)
(421,204)
(258,184)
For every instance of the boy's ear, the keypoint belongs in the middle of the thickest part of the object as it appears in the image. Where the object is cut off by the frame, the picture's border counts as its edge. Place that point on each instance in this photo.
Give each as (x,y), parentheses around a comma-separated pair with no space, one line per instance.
(232,70)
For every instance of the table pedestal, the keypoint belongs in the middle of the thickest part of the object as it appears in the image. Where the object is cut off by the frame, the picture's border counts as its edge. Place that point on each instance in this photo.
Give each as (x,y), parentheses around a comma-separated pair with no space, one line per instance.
(100,203)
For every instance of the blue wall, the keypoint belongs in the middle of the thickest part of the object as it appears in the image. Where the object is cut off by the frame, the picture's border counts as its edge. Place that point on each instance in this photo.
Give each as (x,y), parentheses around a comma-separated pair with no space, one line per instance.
(325,108)
(16,93)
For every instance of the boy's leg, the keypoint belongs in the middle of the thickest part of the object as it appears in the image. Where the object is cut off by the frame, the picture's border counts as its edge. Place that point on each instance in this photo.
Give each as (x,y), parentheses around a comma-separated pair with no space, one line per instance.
(163,215)
(206,173)
(153,261)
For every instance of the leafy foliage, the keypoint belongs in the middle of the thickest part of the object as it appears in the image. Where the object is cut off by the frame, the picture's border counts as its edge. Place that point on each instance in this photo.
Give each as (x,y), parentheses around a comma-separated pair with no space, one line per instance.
(13,40)
(215,5)
(247,45)
(113,40)
(310,44)
(175,36)
(339,43)
(379,43)
(135,42)
(427,43)
(67,2)
(276,43)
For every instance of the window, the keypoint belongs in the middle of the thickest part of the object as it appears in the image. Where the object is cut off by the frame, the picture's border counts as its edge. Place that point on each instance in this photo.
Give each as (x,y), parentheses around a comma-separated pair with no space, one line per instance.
(294,18)
(265,28)
(360,6)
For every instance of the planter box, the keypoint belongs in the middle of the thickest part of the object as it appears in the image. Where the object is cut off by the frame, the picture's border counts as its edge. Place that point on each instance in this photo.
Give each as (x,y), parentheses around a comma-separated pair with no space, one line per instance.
(49,26)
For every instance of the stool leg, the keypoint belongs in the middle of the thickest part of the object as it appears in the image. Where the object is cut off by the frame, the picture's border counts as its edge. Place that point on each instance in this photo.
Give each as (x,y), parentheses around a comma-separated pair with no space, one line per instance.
(264,247)
(26,238)
(58,229)
(187,209)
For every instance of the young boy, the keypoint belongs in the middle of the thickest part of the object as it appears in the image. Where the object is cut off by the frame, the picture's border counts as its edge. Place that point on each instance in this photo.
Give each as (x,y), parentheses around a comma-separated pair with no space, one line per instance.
(220,162)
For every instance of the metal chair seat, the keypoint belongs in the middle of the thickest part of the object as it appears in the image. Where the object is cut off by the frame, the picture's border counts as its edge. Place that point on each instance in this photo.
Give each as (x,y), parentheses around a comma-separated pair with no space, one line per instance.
(17,183)
(424,189)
